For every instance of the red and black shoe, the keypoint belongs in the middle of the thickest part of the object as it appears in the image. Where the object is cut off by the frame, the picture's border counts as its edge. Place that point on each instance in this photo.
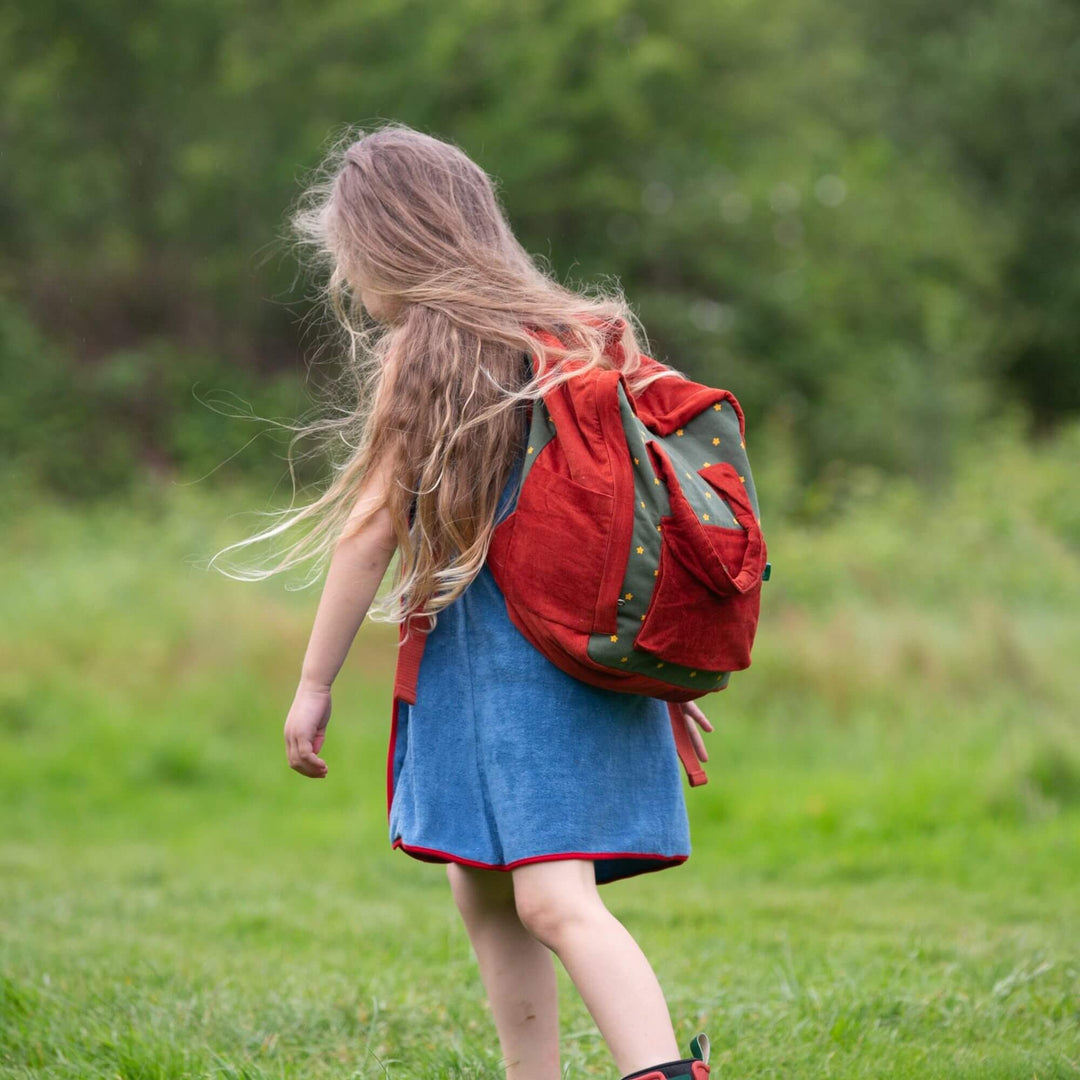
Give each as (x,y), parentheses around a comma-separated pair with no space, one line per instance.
(694,1068)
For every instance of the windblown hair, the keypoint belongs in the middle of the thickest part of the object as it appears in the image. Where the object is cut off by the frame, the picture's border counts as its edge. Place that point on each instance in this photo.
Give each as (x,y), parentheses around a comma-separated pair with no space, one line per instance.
(440,384)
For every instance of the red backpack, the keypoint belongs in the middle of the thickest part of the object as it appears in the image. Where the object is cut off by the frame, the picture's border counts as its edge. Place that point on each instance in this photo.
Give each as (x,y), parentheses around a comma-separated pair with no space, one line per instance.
(632,557)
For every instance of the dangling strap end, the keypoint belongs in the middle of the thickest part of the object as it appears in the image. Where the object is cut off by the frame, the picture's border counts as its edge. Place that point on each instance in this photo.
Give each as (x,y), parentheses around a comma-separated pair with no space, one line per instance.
(694,772)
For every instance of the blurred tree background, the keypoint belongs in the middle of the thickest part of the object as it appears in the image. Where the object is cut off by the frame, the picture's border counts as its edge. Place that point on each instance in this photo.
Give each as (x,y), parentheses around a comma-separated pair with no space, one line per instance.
(860,217)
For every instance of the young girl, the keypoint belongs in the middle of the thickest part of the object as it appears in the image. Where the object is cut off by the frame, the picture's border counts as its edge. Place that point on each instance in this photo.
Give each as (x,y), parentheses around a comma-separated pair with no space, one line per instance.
(532,787)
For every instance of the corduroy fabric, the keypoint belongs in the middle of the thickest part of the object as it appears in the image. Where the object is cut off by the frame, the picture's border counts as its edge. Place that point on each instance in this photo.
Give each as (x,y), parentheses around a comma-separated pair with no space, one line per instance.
(505,759)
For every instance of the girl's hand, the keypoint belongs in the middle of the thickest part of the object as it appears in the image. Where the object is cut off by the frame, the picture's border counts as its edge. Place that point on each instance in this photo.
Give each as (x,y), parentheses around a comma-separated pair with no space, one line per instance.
(692,716)
(305,729)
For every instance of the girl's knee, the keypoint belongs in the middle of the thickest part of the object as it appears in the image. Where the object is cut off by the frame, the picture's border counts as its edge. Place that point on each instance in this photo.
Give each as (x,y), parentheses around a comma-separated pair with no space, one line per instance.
(550,897)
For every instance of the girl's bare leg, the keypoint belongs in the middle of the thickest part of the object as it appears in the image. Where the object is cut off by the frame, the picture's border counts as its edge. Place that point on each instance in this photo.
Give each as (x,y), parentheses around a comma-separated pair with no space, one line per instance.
(518,972)
(558,902)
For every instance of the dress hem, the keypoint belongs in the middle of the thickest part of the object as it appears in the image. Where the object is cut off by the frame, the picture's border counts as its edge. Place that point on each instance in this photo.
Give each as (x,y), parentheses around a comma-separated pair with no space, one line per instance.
(662,862)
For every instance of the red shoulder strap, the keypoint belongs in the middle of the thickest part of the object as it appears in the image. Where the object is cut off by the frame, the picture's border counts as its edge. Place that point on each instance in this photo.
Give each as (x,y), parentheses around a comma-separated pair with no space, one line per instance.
(407,669)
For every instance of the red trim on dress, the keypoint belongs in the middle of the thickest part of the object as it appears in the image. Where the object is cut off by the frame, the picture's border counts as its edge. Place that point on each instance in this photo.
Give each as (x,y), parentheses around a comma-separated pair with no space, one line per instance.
(434,855)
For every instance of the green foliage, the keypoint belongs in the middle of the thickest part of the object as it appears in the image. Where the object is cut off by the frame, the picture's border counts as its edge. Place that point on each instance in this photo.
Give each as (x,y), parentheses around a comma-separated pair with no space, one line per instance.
(988,93)
(860,218)
(90,430)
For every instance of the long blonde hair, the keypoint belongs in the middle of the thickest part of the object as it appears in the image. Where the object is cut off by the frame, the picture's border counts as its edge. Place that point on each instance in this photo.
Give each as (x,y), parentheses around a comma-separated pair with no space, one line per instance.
(438,387)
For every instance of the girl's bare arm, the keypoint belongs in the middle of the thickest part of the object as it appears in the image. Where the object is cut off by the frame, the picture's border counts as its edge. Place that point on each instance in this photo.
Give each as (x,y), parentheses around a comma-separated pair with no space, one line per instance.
(352,579)
(356,569)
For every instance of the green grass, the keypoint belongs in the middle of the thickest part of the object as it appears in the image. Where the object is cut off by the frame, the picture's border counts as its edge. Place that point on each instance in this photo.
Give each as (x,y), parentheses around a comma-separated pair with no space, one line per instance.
(885,876)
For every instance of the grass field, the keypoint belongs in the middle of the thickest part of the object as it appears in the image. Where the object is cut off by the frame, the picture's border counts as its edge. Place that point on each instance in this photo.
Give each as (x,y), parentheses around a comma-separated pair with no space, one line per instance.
(885,876)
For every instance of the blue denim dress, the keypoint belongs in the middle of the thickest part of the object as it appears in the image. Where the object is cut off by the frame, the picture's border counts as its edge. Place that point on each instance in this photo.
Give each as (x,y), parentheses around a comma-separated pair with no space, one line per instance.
(505,759)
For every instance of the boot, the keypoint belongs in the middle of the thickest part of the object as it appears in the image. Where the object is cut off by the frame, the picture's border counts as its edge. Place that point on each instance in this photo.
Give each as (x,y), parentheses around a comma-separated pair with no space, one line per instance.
(693,1068)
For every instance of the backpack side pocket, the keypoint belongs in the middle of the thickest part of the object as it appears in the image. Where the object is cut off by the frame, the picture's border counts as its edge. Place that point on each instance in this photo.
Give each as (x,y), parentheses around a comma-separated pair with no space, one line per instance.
(704,608)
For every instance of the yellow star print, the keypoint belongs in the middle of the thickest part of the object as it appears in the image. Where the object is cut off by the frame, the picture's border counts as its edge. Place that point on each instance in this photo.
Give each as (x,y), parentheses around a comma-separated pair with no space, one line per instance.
(614,637)
(640,550)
